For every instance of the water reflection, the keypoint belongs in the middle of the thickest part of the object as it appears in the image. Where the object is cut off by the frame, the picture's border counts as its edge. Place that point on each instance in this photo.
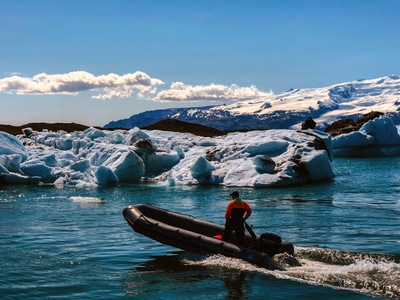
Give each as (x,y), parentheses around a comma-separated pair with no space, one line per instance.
(236,284)
(180,273)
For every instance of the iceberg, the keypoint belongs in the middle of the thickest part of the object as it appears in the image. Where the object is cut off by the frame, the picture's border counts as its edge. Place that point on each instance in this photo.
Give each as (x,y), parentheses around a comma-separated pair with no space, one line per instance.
(376,138)
(93,157)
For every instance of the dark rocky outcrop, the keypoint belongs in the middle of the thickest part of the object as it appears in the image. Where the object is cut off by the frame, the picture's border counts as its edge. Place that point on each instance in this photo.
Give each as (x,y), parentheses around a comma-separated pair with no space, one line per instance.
(166,125)
(309,123)
(187,127)
(68,127)
(349,125)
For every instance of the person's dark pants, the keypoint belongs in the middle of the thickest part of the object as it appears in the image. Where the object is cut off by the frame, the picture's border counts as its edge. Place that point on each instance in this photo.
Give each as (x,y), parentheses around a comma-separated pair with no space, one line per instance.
(238,227)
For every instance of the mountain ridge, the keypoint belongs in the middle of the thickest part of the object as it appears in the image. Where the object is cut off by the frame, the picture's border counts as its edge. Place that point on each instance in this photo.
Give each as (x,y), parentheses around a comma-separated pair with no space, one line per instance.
(165,125)
(288,109)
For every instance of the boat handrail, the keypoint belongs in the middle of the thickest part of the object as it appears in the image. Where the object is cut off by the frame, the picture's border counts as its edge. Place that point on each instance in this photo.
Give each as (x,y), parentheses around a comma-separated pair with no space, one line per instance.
(144,218)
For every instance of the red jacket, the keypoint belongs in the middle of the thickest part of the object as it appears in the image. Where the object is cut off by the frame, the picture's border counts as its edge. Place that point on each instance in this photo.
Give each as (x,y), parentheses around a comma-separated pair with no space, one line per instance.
(236,209)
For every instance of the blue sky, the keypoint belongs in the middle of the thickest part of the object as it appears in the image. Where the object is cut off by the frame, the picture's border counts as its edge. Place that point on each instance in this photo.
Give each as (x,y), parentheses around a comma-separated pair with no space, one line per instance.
(92,62)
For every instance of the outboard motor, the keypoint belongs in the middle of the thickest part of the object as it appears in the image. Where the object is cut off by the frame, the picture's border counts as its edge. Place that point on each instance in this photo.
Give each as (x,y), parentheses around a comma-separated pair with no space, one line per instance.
(271,244)
(269,238)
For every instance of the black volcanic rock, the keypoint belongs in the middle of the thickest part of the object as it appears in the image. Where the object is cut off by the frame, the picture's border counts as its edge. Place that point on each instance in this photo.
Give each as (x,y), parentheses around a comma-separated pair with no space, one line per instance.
(309,123)
(166,125)
(349,125)
(180,126)
(68,127)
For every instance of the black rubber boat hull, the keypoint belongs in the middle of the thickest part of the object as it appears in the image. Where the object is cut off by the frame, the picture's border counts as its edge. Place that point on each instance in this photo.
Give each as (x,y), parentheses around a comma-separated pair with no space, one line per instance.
(189,233)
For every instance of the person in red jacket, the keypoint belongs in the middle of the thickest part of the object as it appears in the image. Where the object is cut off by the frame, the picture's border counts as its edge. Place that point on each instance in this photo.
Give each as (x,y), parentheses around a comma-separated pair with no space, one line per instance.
(234,218)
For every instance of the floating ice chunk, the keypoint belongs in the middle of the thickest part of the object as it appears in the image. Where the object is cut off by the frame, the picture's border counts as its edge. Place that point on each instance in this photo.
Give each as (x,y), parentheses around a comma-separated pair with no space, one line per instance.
(11,162)
(81,165)
(202,168)
(3,170)
(179,151)
(128,167)
(9,144)
(66,158)
(144,146)
(355,138)
(236,159)
(38,169)
(94,133)
(377,137)
(267,147)
(134,135)
(116,137)
(48,158)
(156,163)
(383,130)
(106,177)
(264,164)
(64,143)
(318,166)
(28,131)
(87,200)
(14,178)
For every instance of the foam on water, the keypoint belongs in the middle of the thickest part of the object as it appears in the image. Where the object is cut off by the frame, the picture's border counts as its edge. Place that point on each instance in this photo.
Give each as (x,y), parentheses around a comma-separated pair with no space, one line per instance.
(87,200)
(366,273)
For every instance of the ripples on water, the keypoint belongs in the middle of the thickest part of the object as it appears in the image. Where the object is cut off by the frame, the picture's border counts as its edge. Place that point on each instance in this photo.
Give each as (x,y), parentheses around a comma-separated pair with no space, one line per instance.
(74,243)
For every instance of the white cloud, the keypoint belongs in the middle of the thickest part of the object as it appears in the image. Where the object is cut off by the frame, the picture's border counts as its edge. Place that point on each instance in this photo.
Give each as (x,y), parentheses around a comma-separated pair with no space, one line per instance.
(108,86)
(112,85)
(11,73)
(213,92)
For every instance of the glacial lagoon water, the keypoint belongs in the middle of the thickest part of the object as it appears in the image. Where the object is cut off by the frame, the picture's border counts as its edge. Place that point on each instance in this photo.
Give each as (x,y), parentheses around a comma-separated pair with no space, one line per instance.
(73,243)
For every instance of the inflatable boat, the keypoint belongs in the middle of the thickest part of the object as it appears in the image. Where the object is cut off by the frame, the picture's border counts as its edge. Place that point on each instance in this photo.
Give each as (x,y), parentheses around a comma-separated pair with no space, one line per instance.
(191,234)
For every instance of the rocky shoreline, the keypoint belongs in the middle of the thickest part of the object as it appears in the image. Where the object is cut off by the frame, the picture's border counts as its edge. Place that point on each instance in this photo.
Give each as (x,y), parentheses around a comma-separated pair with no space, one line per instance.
(336,128)
(166,125)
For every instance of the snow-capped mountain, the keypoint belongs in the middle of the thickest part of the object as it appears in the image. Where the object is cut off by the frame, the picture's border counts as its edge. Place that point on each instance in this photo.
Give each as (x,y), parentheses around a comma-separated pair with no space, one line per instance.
(289,109)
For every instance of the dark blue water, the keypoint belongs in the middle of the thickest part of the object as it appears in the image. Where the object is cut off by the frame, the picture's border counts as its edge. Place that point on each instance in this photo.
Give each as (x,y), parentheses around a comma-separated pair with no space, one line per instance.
(56,245)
